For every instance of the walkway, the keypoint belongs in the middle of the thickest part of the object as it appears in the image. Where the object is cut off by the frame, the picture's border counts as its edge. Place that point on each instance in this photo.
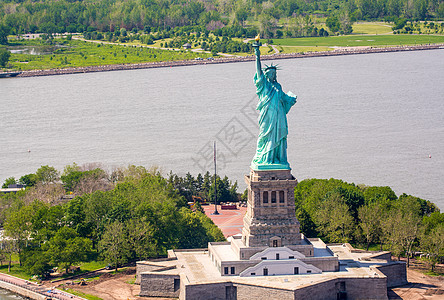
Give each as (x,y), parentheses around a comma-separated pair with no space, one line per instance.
(31,286)
(229,221)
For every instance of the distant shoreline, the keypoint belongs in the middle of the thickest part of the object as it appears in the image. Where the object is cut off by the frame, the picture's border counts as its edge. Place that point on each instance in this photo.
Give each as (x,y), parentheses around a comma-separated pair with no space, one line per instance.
(148,65)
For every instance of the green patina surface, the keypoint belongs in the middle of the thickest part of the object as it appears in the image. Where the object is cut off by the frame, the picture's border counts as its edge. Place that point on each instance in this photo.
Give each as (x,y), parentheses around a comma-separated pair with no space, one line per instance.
(273,106)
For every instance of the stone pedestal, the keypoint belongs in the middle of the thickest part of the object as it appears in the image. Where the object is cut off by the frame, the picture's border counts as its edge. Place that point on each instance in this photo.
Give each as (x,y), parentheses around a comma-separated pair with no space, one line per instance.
(270,219)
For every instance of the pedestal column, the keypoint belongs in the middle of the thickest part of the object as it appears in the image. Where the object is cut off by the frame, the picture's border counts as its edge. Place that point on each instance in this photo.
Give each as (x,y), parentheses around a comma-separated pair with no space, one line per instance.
(270,219)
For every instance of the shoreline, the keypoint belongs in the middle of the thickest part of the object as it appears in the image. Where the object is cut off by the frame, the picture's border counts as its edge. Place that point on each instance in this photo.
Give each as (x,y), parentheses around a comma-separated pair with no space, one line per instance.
(31,290)
(180,63)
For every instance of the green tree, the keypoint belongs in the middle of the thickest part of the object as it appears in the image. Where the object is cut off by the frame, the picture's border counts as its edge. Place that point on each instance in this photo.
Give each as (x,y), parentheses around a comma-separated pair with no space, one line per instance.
(334,220)
(9,181)
(47,174)
(36,262)
(28,180)
(370,222)
(114,245)
(434,220)
(141,242)
(374,194)
(4,57)
(9,247)
(241,14)
(193,233)
(308,227)
(17,227)
(4,31)
(433,245)
(333,23)
(67,248)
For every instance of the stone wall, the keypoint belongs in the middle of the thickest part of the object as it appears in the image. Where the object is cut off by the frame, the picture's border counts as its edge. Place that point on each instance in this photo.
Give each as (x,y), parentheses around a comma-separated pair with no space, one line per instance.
(307,250)
(146,266)
(353,288)
(366,288)
(249,292)
(385,255)
(159,285)
(396,273)
(213,291)
(21,291)
(326,264)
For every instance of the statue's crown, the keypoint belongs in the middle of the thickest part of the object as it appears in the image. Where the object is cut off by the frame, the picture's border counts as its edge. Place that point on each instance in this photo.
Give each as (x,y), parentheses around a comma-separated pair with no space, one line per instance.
(271,67)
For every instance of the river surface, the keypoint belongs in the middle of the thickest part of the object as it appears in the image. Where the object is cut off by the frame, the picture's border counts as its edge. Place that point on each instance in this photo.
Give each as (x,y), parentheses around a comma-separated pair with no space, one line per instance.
(375,119)
(7,295)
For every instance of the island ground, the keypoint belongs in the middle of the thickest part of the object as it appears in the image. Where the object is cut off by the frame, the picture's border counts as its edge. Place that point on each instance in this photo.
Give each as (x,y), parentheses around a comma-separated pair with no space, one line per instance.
(65,53)
(117,287)
(420,286)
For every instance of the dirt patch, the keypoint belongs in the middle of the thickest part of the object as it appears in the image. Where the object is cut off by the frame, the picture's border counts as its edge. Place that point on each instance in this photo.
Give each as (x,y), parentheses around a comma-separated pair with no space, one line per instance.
(420,286)
(111,286)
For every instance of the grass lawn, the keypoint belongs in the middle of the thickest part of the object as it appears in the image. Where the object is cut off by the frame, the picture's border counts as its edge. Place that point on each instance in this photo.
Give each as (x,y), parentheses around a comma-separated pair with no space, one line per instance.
(372,28)
(295,49)
(366,40)
(91,266)
(80,54)
(16,271)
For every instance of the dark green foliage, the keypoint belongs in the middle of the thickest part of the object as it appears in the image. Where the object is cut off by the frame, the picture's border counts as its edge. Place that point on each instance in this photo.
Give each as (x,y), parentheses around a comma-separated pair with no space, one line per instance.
(378,193)
(308,227)
(4,31)
(434,220)
(313,195)
(9,181)
(203,186)
(400,23)
(36,262)
(51,17)
(66,248)
(343,212)
(28,180)
(333,23)
(423,207)
(46,174)
(4,57)
(142,217)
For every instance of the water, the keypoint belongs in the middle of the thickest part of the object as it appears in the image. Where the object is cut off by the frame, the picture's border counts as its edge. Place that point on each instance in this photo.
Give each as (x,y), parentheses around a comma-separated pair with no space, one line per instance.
(374,119)
(7,295)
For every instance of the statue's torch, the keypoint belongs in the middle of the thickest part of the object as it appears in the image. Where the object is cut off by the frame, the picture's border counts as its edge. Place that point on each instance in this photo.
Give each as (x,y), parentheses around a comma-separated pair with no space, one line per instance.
(257,43)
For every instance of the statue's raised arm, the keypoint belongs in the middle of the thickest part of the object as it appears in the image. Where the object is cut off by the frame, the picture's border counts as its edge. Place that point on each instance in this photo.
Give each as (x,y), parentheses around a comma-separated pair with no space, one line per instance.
(257,52)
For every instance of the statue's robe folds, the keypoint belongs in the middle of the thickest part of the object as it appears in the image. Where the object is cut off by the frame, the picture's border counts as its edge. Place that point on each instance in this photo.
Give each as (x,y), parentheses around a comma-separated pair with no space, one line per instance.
(273,106)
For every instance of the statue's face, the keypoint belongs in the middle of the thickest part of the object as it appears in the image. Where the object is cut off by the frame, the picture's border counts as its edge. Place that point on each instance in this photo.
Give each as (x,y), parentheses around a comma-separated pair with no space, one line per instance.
(271,75)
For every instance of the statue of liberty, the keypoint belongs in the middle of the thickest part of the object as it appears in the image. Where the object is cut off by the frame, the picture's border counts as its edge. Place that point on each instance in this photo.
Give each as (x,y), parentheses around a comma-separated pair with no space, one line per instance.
(273,106)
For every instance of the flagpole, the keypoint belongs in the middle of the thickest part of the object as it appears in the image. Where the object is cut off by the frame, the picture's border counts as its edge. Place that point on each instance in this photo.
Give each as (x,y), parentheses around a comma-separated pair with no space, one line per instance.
(215,187)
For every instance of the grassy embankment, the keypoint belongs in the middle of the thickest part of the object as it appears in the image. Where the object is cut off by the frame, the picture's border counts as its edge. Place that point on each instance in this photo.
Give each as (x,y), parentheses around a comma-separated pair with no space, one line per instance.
(329,43)
(76,53)
(80,54)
